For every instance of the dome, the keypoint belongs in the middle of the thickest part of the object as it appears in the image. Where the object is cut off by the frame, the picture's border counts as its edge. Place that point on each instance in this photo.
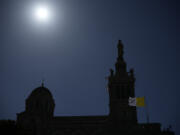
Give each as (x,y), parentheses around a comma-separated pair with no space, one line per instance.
(40,101)
(40,92)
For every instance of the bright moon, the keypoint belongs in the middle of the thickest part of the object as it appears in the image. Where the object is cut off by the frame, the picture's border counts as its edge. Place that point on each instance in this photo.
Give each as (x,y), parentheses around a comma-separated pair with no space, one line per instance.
(42,13)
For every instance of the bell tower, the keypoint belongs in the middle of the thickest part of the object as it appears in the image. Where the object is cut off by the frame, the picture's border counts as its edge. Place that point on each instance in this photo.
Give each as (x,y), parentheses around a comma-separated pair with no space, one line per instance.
(121,87)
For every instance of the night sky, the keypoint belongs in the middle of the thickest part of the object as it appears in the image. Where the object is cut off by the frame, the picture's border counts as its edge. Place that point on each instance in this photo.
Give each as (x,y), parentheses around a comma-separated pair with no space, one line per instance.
(74,51)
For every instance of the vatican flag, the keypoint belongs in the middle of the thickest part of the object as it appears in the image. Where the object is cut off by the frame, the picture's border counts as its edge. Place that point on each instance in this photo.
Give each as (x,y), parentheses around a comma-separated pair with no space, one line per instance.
(137,101)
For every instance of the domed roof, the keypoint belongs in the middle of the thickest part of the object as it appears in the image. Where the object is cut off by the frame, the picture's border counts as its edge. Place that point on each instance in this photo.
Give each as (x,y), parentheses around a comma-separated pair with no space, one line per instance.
(40,92)
(40,101)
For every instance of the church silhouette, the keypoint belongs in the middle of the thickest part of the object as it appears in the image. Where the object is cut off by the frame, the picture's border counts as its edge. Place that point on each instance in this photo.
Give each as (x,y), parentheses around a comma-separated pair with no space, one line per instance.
(38,118)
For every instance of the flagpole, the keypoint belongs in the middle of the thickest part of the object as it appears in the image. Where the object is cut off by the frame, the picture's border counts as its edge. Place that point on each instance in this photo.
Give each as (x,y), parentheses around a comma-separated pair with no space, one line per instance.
(147,113)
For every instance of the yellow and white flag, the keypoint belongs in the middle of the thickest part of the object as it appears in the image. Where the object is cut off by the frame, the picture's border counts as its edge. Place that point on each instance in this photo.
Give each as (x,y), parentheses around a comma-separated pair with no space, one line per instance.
(137,101)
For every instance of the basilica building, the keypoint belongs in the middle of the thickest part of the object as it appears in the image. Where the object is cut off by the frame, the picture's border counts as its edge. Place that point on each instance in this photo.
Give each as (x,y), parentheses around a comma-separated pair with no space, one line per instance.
(38,118)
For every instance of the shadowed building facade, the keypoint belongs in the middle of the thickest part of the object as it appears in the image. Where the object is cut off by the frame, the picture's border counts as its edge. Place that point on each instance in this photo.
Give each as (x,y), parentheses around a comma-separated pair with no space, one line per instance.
(38,118)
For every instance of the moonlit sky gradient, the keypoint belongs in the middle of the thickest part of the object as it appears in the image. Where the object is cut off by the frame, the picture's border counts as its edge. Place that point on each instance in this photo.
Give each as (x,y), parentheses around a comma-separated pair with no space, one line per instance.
(74,50)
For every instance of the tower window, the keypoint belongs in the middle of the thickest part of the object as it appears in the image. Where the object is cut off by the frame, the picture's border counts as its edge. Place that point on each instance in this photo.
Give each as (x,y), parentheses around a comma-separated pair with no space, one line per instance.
(122,92)
(118,92)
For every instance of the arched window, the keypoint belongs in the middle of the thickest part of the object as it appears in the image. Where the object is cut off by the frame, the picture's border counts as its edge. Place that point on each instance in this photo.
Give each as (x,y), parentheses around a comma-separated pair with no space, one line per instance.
(128,91)
(118,92)
(122,91)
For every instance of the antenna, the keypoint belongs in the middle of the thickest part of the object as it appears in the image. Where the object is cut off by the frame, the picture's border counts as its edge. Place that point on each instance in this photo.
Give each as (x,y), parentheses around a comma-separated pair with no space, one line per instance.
(147,111)
(42,84)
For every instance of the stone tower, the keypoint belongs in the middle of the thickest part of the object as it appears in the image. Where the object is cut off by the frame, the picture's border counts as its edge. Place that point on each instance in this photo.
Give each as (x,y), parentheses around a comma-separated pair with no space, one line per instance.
(121,87)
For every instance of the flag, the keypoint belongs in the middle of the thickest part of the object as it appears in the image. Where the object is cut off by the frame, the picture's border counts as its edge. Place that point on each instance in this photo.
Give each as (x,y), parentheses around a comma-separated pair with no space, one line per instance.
(140,101)
(132,101)
(137,101)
